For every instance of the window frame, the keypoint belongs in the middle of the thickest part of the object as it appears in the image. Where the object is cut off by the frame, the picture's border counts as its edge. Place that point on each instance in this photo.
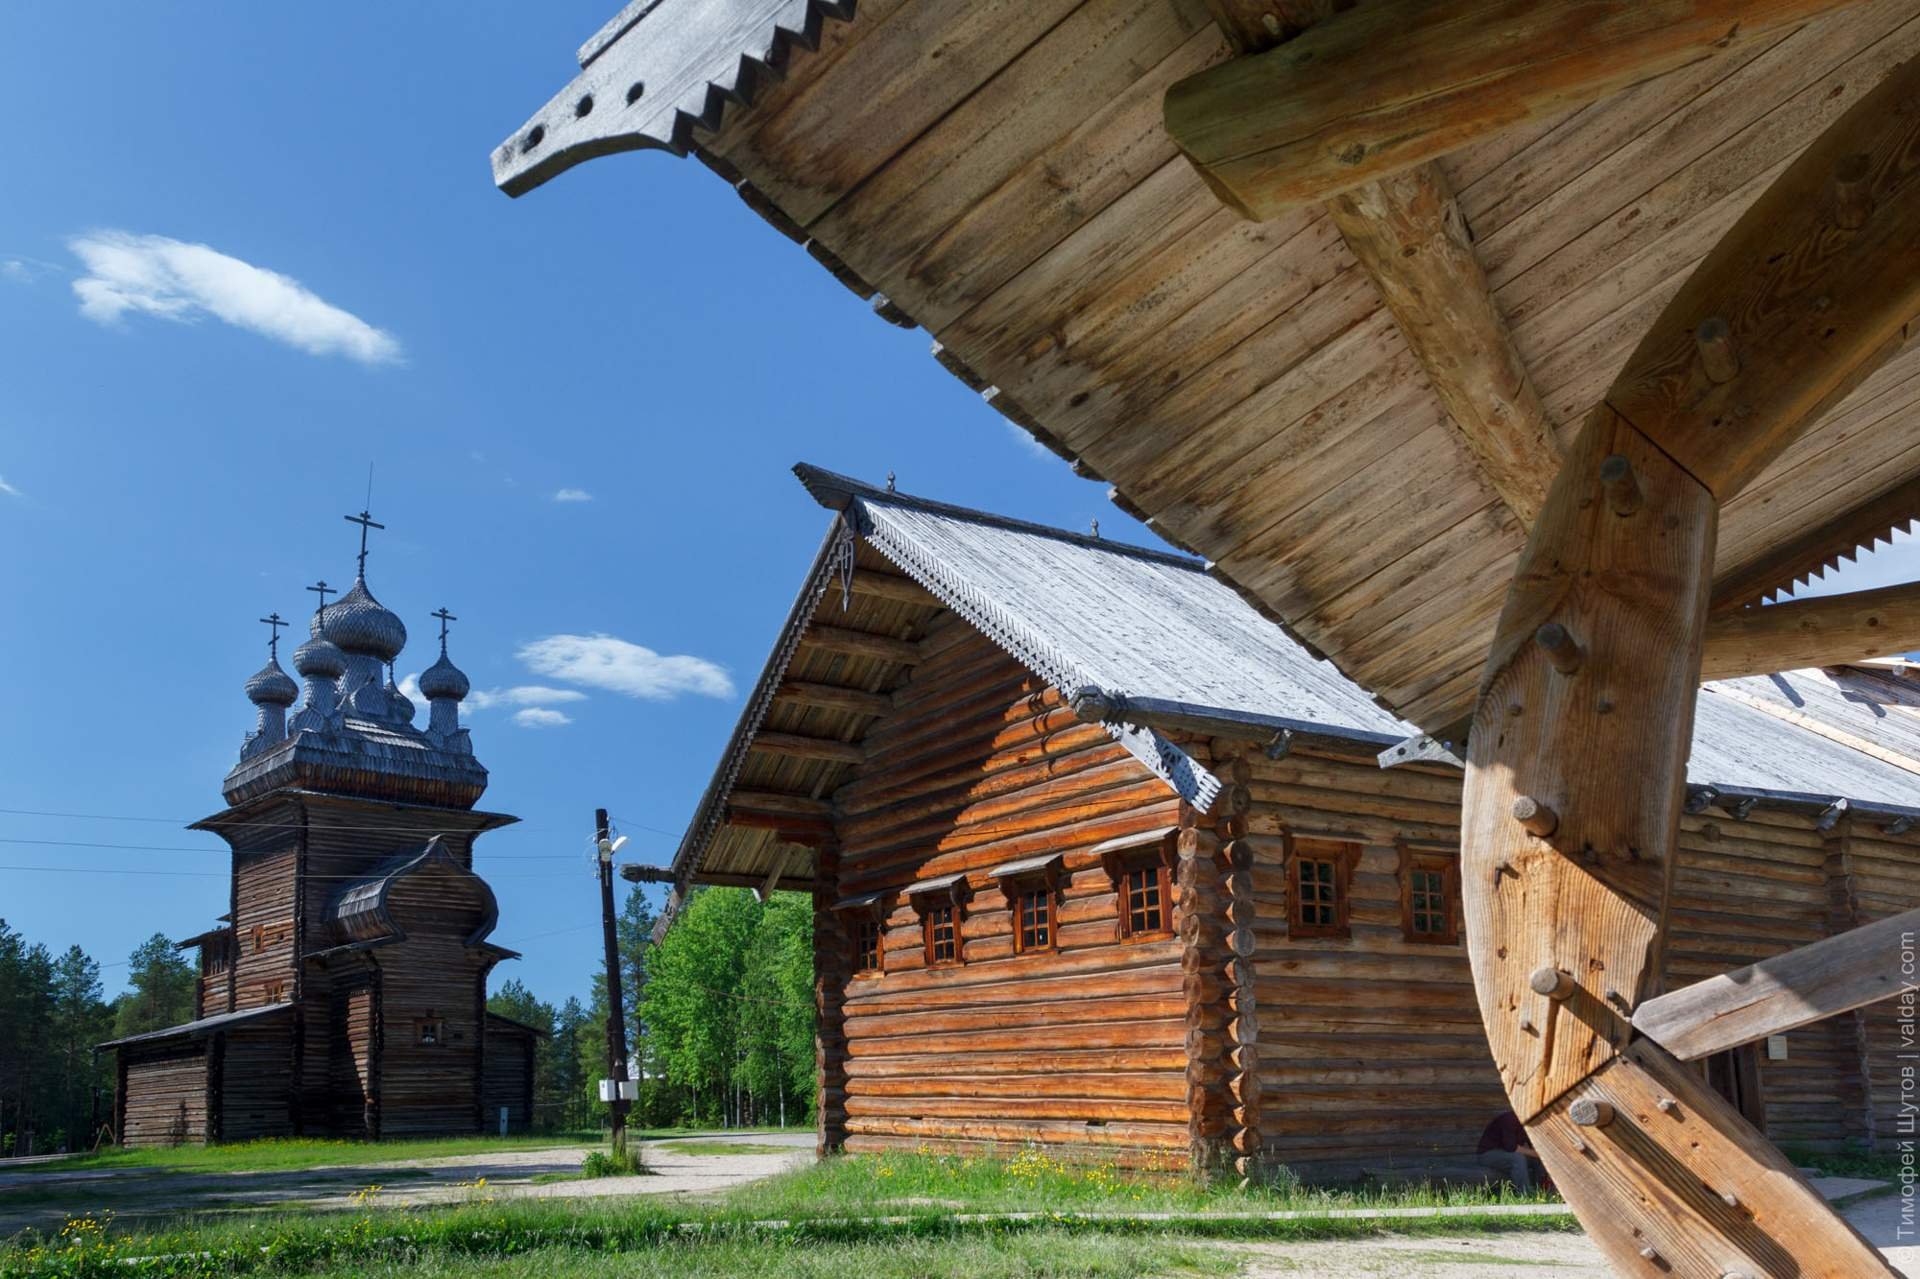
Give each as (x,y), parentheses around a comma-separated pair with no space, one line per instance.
(1017,891)
(1444,860)
(1345,856)
(948,892)
(869,918)
(439,1025)
(1158,850)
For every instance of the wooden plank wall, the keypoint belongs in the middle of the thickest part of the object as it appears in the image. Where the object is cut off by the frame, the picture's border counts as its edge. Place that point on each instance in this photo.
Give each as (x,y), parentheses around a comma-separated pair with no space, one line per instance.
(1083,1049)
(1882,879)
(507,1080)
(254,1097)
(1371,1052)
(431,1088)
(165,1094)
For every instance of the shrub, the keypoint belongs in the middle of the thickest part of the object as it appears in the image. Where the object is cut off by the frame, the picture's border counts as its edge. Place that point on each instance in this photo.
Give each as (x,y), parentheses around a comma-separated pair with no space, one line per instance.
(621,1161)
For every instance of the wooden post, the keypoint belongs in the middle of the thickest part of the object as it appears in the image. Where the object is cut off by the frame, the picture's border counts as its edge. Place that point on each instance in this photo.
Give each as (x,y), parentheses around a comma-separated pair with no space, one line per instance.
(1202,926)
(830,971)
(616,1015)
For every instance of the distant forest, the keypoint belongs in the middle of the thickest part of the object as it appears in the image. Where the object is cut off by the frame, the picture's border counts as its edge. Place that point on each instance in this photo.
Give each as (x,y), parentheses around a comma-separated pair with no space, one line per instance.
(719,1019)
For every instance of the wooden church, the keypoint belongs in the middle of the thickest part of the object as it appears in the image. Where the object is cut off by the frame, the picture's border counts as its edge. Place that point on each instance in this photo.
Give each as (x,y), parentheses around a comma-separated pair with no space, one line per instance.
(1105,861)
(343,993)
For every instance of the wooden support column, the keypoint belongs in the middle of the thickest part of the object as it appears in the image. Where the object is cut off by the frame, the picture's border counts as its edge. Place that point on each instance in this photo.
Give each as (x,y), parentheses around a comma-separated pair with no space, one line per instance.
(1587,705)
(1201,920)
(1243,1031)
(831,968)
(1844,914)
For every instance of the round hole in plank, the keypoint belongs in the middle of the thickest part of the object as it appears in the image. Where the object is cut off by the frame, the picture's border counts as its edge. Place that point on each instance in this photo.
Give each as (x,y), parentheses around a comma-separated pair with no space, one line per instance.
(535,136)
(583,106)
(634,91)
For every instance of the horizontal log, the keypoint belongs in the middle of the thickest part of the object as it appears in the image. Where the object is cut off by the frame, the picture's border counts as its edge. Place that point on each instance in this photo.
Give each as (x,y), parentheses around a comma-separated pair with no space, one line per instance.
(833,697)
(1394,83)
(1782,993)
(995,1105)
(892,586)
(841,639)
(762,801)
(798,746)
(1825,631)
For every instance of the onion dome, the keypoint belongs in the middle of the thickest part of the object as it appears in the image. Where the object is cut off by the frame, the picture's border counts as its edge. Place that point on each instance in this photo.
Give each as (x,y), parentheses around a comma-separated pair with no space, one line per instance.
(359,623)
(271,686)
(320,658)
(444,679)
(399,705)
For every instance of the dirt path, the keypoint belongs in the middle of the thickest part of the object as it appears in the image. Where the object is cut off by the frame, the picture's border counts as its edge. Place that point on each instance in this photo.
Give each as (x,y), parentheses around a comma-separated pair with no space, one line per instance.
(48,1199)
(1513,1256)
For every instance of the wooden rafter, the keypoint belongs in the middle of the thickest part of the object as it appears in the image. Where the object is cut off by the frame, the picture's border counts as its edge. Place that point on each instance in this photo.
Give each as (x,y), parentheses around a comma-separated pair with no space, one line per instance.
(833,697)
(800,746)
(1813,552)
(892,586)
(1408,234)
(1395,83)
(1826,631)
(841,639)
(1774,996)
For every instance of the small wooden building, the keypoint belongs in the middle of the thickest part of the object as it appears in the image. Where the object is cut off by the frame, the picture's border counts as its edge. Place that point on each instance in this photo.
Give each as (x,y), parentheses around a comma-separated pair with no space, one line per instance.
(978,742)
(344,991)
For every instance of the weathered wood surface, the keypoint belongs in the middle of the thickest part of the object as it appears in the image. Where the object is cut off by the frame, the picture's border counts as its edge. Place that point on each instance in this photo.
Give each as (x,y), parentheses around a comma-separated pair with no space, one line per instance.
(1783,318)
(1386,86)
(1824,631)
(1830,976)
(1408,234)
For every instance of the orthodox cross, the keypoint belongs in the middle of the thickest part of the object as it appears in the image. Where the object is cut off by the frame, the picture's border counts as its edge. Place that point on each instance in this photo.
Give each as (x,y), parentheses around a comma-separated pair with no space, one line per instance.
(365,521)
(444,617)
(276,622)
(323,590)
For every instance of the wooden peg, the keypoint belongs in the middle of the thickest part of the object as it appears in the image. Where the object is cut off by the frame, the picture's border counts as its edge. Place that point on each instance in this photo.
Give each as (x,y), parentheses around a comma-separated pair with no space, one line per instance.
(1560,648)
(1650,1253)
(1717,355)
(1730,1199)
(1539,820)
(1621,485)
(1551,982)
(1589,1112)
(1664,1105)
(1852,192)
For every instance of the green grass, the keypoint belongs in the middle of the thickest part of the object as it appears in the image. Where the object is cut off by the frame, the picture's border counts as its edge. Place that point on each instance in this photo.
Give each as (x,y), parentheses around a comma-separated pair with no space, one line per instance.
(698,1147)
(814,1230)
(291,1154)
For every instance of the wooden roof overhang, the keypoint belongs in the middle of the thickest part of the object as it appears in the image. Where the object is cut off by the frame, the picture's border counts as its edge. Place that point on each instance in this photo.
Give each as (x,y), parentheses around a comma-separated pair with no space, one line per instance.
(1352,408)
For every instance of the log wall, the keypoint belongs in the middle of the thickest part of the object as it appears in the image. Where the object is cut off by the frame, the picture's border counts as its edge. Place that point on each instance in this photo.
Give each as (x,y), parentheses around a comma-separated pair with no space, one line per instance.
(163,1094)
(432,975)
(1082,1047)
(1882,878)
(253,1098)
(507,1083)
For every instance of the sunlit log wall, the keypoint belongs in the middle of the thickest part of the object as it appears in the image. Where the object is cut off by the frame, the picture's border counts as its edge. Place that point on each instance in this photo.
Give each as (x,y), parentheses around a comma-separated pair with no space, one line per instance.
(1239,1040)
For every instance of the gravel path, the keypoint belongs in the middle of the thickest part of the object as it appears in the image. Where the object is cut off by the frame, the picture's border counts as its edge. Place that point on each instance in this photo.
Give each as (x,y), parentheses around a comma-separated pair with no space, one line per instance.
(48,1199)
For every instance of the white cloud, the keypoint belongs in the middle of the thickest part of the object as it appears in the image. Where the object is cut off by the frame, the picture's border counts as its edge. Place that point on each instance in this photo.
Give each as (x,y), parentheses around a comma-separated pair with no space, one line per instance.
(573,495)
(7,488)
(539,717)
(602,661)
(481,699)
(1031,445)
(25,270)
(174,280)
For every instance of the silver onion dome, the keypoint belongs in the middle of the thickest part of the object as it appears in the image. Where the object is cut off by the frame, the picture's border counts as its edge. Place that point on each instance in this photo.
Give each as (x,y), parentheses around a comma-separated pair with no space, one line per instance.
(321,658)
(444,679)
(359,623)
(271,686)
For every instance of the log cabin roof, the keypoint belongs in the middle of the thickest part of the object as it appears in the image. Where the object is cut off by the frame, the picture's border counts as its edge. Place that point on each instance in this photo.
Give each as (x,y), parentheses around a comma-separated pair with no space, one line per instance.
(1003,177)
(205,1026)
(1157,628)
(360,912)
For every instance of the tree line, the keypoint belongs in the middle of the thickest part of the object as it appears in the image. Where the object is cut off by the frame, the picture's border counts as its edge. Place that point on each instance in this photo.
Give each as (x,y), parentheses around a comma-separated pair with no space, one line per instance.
(55,1093)
(719,1022)
(719,1018)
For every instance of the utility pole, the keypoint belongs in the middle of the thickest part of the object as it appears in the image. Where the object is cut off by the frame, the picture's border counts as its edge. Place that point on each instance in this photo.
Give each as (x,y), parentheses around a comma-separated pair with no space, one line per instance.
(616,1018)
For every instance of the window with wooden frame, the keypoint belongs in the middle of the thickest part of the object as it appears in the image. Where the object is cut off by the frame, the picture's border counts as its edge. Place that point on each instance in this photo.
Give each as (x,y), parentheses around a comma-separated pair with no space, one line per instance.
(941,903)
(1032,889)
(429,1031)
(1430,894)
(1319,887)
(259,938)
(1141,868)
(275,991)
(865,930)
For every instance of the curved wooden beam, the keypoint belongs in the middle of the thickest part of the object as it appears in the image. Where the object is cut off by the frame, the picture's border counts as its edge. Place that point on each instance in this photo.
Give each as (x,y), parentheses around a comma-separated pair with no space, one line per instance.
(1586,713)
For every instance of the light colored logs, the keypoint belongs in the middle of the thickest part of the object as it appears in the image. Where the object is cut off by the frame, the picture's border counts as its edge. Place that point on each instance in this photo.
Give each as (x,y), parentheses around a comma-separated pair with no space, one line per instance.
(1394,83)
(892,586)
(1824,631)
(1408,234)
(1204,952)
(1780,994)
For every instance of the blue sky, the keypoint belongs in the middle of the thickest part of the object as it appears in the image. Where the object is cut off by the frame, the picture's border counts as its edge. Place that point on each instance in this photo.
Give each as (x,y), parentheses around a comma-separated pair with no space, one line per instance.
(248,249)
(633,333)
